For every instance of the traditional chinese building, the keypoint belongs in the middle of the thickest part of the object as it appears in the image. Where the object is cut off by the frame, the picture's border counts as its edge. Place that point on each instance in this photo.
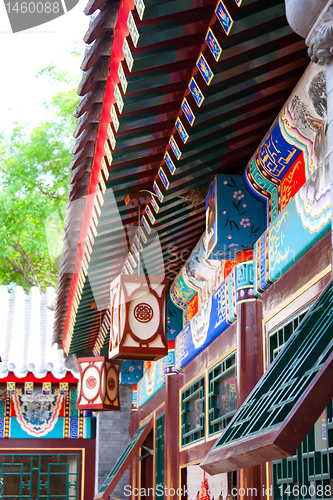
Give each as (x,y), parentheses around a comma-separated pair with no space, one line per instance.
(47,445)
(203,156)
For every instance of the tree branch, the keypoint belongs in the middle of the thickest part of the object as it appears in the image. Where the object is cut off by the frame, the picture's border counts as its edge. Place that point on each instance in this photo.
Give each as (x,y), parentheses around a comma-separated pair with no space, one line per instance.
(46,193)
(21,271)
(26,260)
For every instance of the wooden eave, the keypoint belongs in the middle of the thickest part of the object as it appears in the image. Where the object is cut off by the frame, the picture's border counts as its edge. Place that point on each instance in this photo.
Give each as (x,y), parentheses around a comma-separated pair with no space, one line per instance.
(261,62)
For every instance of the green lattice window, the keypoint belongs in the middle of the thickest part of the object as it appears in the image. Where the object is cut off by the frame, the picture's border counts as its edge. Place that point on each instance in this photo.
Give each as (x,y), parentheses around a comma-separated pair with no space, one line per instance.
(37,477)
(72,400)
(309,473)
(222,400)
(160,453)
(2,402)
(279,337)
(193,412)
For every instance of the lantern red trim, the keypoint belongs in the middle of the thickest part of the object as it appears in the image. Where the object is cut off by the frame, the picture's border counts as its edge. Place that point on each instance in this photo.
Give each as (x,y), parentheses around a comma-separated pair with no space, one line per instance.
(99,384)
(138,305)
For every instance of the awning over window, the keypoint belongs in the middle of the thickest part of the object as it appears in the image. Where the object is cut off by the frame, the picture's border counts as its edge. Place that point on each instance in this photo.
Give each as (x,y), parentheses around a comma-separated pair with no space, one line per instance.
(124,461)
(286,402)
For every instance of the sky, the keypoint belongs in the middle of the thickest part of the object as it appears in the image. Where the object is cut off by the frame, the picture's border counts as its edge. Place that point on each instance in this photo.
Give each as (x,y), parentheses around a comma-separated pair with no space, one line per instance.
(23,54)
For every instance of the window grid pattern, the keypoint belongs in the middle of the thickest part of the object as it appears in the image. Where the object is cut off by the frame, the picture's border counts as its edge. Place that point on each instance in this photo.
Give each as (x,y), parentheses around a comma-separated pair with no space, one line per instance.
(222,402)
(193,412)
(308,474)
(280,388)
(38,477)
(279,337)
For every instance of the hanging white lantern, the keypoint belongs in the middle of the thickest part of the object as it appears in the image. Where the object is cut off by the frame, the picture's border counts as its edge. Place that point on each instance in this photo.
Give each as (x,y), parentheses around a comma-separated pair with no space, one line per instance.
(138,317)
(99,384)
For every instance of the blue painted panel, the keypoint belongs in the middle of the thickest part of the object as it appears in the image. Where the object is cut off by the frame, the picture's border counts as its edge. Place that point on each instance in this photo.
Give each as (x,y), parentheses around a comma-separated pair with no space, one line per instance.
(224,17)
(181,130)
(131,371)
(276,154)
(234,218)
(205,326)
(188,112)
(213,44)
(204,69)
(74,428)
(196,92)
(170,164)
(163,178)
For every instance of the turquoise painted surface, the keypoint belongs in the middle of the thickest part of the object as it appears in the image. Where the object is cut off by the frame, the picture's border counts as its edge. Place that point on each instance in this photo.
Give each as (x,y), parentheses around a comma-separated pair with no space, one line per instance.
(16,431)
(234,218)
(2,403)
(131,371)
(174,323)
(153,380)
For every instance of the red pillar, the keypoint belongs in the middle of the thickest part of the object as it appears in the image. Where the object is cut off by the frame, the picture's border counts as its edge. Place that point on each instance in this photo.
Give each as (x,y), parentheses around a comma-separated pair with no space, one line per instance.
(135,422)
(250,368)
(171,463)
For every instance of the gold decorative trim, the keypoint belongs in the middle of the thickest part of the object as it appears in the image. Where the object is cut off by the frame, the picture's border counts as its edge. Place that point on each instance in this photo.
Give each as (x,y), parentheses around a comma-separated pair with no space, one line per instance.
(229,351)
(214,437)
(299,292)
(267,479)
(192,380)
(192,445)
(194,462)
(245,300)
(151,414)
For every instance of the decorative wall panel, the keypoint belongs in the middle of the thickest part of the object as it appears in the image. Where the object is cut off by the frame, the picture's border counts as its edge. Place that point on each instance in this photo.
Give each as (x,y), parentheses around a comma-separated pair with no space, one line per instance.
(152,381)
(294,147)
(300,224)
(38,415)
(234,218)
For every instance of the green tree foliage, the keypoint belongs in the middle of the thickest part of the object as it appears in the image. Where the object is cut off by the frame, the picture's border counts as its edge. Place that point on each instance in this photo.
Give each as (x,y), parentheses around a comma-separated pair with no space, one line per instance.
(34,174)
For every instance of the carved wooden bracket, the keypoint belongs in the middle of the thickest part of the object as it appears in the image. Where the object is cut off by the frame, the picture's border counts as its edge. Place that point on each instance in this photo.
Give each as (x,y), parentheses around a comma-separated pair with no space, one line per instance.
(320,38)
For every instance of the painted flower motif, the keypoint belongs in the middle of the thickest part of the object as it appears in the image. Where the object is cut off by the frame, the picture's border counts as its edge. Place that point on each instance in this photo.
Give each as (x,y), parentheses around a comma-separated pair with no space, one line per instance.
(225,182)
(131,368)
(245,222)
(224,212)
(238,194)
(229,237)
(244,205)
